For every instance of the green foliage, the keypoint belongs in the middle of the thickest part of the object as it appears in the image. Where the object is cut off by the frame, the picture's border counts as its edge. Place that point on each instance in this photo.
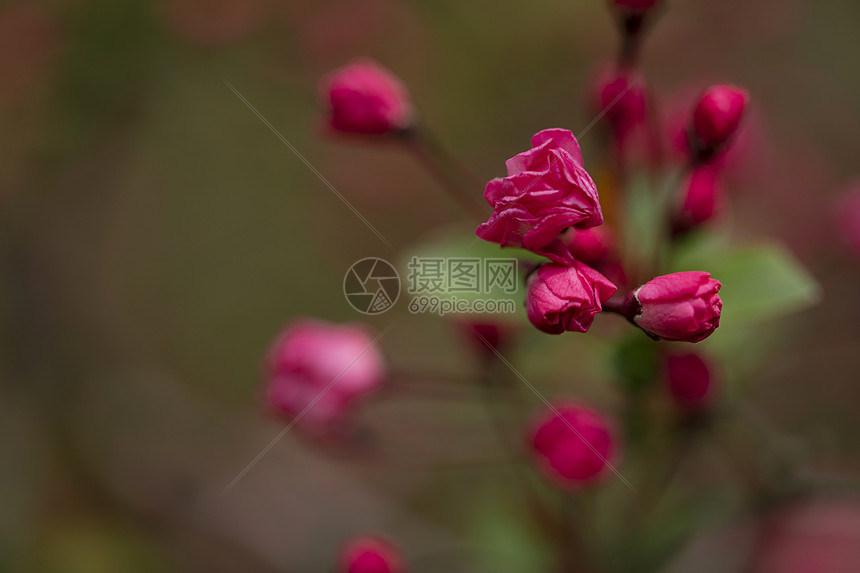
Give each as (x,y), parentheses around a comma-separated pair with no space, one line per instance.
(508,544)
(760,282)
(461,243)
(634,362)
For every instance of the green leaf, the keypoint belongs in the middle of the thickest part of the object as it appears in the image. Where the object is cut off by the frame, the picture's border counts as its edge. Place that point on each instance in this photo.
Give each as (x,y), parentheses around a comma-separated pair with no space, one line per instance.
(461,243)
(760,282)
(509,542)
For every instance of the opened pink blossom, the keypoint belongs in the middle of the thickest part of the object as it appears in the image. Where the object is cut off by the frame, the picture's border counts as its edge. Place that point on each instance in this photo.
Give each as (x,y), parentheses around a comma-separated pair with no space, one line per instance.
(546,191)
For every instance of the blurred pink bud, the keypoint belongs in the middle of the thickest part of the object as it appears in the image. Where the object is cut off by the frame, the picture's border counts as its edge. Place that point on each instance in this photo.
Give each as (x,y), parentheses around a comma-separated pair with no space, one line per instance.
(371,554)
(701,199)
(487,337)
(315,370)
(688,380)
(591,246)
(849,219)
(622,96)
(682,307)
(820,536)
(566,298)
(546,190)
(635,5)
(366,98)
(718,114)
(571,444)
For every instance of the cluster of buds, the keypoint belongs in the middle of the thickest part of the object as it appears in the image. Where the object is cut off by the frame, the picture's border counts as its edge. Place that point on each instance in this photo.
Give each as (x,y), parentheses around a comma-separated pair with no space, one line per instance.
(716,120)
(548,204)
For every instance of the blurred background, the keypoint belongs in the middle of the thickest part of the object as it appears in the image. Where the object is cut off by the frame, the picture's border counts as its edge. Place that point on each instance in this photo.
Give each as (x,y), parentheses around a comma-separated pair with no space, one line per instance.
(156,236)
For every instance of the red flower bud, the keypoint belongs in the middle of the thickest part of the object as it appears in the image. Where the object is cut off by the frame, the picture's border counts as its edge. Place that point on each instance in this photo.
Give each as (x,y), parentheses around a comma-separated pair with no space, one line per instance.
(718,114)
(688,380)
(591,246)
(820,534)
(701,199)
(849,218)
(681,306)
(561,297)
(366,98)
(316,370)
(371,554)
(622,96)
(481,334)
(571,444)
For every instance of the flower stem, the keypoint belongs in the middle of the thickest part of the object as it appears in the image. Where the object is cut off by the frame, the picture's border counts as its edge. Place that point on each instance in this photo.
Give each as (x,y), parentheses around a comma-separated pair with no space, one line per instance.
(445,168)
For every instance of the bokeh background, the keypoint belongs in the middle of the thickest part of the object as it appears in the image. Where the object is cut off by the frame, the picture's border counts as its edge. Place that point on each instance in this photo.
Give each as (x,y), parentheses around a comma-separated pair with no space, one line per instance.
(156,235)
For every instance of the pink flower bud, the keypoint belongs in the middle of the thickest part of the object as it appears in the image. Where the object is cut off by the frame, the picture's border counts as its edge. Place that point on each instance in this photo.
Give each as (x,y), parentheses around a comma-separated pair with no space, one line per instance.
(546,191)
(718,114)
(701,199)
(681,306)
(622,96)
(635,5)
(316,370)
(561,297)
(371,554)
(815,535)
(688,380)
(849,218)
(366,98)
(573,446)
(591,246)
(481,334)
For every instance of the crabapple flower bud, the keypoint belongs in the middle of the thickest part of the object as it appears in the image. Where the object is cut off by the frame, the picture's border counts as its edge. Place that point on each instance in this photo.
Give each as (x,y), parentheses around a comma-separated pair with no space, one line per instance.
(315,370)
(546,191)
(371,554)
(591,246)
(561,297)
(688,380)
(571,444)
(849,218)
(486,338)
(718,114)
(681,307)
(701,199)
(817,533)
(622,97)
(364,97)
